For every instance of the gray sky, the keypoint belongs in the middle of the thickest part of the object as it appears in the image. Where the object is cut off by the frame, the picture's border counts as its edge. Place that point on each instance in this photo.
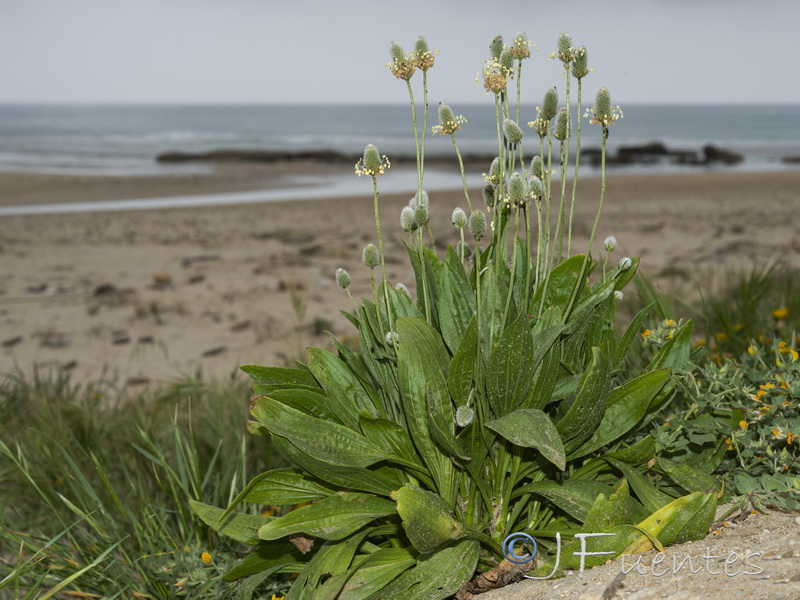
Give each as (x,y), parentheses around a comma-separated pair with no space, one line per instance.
(672,51)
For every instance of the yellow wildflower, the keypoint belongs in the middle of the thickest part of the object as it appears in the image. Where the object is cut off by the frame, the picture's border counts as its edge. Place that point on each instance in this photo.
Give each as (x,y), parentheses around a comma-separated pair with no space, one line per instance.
(780,313)
(743,424)
(752,349)
(274,597)
(206,558)
(722,336)
(790,436)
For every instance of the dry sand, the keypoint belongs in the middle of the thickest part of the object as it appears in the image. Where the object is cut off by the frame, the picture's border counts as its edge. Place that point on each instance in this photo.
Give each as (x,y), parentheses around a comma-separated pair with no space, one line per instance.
(151,295)
(143,297)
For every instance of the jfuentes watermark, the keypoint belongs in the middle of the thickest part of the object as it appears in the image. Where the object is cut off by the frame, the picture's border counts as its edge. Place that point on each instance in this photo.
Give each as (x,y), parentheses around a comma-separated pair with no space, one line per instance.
(656,568)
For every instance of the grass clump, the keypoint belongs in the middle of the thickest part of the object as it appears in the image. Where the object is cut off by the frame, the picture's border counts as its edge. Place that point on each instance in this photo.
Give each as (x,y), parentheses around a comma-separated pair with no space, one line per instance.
(96,484)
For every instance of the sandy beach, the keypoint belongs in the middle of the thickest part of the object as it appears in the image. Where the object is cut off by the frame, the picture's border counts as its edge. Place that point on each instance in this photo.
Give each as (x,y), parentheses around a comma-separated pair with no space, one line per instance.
(148,296)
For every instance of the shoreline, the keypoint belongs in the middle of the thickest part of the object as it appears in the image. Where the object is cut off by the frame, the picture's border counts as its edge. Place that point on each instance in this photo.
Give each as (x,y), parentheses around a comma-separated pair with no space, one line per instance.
(146,296)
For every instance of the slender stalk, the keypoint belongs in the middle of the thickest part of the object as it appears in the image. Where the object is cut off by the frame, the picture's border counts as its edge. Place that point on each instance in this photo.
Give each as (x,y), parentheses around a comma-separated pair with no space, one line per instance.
(577,163)
(519,87)
(416,139)
(421,166)
(380,251)
(463,174)
(513,268)
(475,367)
(548,197)
(564,165)
(562,207)
(573,297)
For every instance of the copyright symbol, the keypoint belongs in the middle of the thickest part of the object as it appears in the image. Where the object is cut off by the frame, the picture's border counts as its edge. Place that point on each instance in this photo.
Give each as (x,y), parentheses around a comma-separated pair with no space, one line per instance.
(511,541)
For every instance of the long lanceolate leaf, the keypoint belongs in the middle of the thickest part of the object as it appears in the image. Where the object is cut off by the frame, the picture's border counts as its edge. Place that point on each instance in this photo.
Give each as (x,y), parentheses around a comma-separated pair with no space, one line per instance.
(421,364)
(331,518)
(326,441)
(586,411)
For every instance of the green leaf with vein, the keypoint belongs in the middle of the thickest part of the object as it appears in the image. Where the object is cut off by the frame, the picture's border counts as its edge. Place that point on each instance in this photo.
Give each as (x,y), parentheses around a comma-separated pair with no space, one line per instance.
(532,428)
(331,518)
(241,527)
(326,441)
(435,576)
(627,404)
(346,396)
(281,487)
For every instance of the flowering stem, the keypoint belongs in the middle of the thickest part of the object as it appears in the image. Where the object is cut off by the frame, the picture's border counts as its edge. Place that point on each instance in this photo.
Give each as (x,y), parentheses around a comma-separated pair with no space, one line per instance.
(380,251)
(519,86)
(564,165)
(548,198)
(577,162)
(573,297)
(416,140)
(463,174)
(562,214)
(513,267)
(478,303)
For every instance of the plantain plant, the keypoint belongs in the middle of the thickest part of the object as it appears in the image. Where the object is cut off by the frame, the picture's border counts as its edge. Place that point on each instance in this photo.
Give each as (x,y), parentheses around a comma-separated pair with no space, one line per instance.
(498,402)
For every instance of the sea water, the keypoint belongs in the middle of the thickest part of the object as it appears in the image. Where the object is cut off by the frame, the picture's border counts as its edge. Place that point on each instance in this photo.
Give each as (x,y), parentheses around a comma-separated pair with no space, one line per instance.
(127,140)
(123,139)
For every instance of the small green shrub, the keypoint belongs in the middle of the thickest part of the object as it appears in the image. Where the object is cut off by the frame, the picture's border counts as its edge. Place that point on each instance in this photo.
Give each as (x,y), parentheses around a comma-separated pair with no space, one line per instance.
(741,418)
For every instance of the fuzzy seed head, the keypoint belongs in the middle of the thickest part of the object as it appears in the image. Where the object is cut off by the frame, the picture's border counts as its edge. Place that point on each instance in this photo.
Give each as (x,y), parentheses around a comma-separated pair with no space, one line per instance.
(459,218)
(516,189)
(610,243)
(369,256)
(372,163)
(562,128)
(448,122)
(424,198)
(401,67)
(506,61)
(423,58)
(603,112)
(477,223)
(618,295)
(421,215)
(580,63)
(407,222)
(396,51)
(343,279)
(565,52)
(521,47)
(464,416)
(496,47)
(495,77)
(602,104)
(537,167)
(625,263)
(534,187)
(512,131)
(494,174)
(392,339)
(549,105)
(372,158)
(488,194)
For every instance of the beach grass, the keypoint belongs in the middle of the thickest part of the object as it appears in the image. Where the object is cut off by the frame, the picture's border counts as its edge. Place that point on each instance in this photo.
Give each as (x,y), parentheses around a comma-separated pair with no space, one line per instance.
(96,483)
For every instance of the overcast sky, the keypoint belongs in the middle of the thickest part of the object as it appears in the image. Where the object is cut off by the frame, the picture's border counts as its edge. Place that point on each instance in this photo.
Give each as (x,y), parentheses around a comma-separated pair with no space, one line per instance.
(268,51)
